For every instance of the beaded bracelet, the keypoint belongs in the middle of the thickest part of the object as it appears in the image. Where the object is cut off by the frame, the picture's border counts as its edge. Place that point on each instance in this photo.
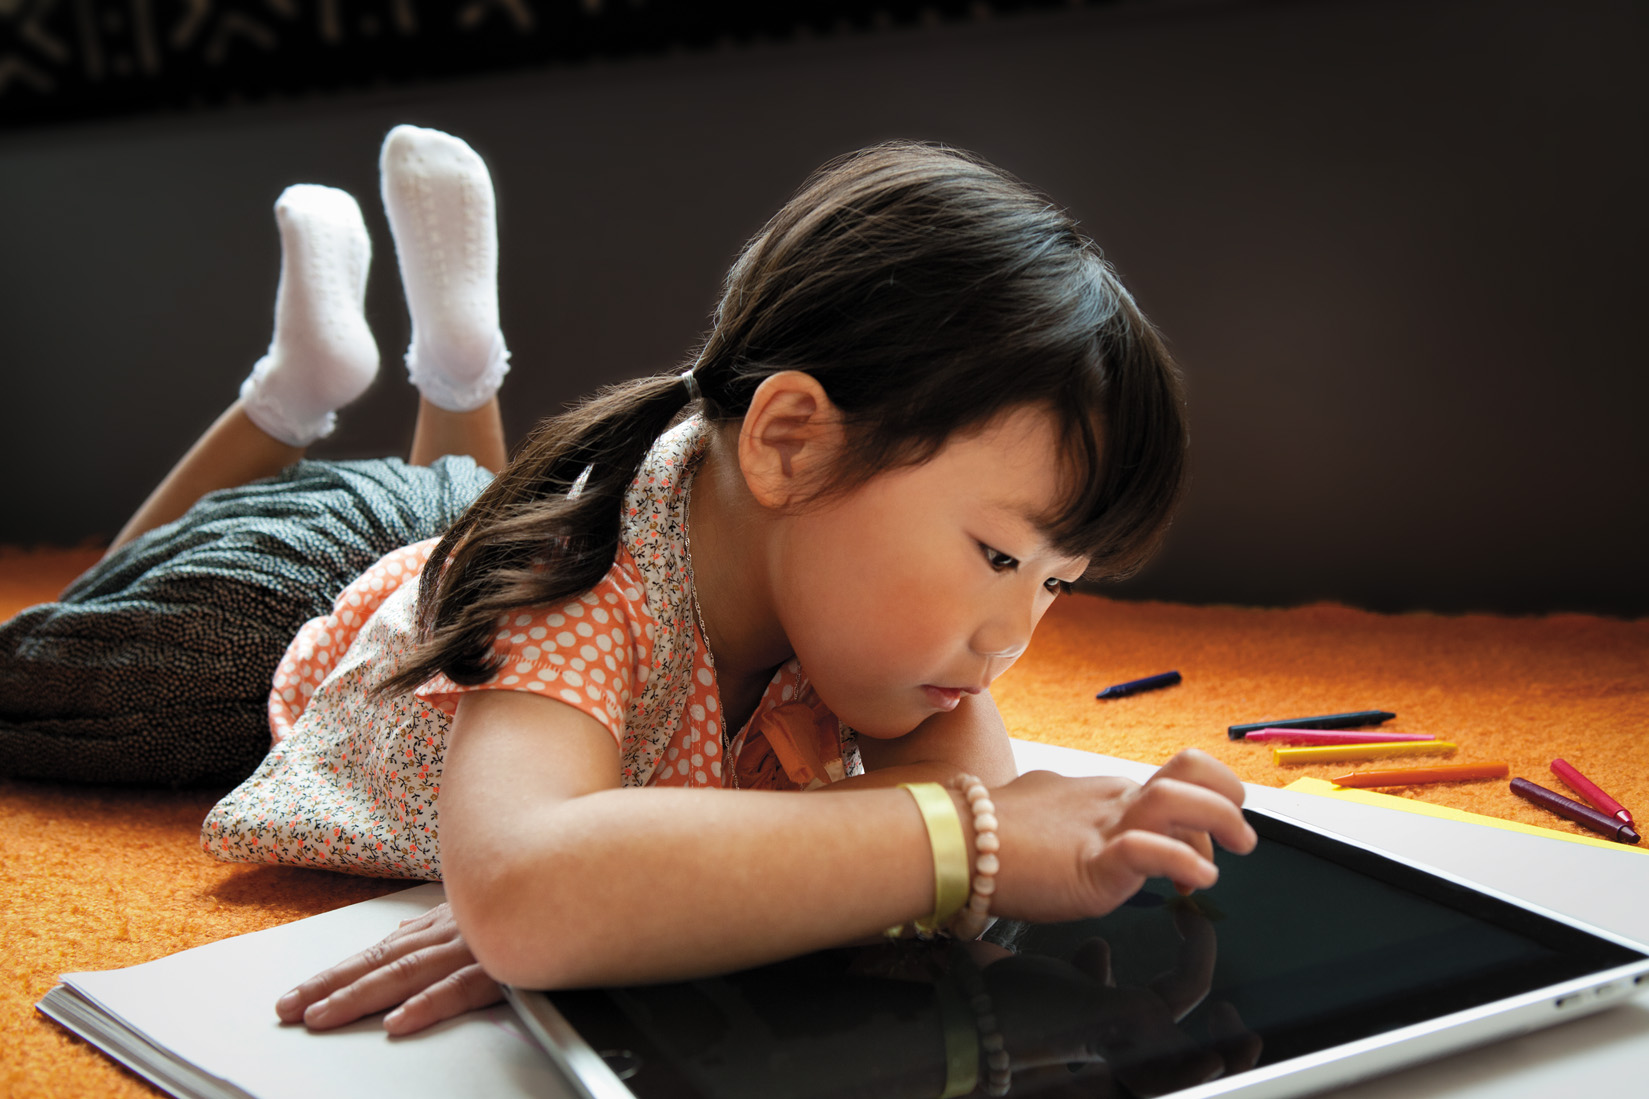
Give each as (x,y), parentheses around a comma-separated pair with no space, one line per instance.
(974,917)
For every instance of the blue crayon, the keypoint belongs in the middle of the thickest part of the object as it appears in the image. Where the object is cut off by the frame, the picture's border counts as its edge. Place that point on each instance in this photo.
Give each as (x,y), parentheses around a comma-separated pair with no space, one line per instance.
(1134,686)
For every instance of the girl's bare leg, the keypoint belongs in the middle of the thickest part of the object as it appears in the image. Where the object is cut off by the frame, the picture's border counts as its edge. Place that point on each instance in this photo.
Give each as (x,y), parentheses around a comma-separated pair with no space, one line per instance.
(322,356)
(478,433)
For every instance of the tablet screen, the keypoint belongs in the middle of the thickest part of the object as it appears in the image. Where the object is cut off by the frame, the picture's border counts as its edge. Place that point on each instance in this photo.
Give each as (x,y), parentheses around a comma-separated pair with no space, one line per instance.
(1305,944)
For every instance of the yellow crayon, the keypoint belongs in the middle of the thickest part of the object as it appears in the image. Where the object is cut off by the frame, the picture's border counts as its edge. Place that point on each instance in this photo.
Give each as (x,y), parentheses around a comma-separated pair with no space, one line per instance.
(1377,750)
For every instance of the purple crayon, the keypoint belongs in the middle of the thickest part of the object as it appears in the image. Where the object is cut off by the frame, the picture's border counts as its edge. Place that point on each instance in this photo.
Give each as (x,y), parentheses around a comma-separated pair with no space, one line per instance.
(1583,815)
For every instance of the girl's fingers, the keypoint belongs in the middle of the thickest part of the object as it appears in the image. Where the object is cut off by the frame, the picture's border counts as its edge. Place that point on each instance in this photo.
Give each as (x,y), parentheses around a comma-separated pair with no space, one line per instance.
(1123,865)
(1176,807)
(410,936)
(1120,833)
(454,994)
(292,1006)
(418,953)
(1196,766)
(389,984)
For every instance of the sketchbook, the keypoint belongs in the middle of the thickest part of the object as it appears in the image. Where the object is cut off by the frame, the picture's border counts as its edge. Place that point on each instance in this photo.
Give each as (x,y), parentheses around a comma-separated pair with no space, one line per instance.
(201,1023)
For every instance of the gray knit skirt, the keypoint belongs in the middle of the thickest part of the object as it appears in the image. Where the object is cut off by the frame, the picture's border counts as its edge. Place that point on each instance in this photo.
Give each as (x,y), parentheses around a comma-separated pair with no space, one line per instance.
(154,667)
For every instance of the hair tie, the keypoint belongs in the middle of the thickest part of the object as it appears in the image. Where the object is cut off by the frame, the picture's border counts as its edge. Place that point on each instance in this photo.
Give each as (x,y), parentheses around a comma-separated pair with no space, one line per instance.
(689,380)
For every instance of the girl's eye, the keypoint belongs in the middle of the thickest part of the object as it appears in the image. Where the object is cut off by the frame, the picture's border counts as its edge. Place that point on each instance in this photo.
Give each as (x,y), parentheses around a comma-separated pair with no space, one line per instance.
(1058,586)
(998,560)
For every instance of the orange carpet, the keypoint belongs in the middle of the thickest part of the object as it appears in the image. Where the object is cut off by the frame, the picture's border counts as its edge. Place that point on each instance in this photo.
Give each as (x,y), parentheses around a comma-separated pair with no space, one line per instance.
(94,878)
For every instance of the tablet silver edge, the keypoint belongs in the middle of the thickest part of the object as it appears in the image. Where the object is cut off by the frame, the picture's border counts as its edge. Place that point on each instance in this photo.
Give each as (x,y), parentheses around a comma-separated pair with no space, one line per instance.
(585,1072)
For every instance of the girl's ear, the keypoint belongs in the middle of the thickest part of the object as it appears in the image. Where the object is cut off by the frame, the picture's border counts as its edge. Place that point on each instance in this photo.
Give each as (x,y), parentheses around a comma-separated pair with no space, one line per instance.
(790,439)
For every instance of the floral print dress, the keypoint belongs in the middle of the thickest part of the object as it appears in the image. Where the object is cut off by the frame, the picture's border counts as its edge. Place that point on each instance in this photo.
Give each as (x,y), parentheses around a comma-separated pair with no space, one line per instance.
(353,781)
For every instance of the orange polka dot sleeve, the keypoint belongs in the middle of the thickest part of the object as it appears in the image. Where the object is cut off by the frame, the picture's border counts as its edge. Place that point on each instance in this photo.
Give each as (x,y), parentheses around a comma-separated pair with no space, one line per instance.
(591,652)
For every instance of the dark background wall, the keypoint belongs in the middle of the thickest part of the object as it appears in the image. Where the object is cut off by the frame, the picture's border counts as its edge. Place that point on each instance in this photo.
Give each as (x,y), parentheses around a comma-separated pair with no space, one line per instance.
(1396,245)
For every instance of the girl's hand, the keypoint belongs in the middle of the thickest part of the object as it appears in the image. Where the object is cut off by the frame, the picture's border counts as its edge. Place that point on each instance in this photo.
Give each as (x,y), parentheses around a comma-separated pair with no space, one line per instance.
(423,965)
(1075,847)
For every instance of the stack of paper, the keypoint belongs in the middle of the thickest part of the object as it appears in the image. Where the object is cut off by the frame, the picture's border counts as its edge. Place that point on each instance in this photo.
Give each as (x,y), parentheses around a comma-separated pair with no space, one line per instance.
(201,1024)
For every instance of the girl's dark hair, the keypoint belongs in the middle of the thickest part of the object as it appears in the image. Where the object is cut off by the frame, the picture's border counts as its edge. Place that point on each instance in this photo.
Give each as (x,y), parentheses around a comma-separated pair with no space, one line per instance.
(928,292)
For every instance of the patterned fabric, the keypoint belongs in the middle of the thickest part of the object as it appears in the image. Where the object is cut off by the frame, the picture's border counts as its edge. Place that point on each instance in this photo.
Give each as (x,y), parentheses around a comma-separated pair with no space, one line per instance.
(353,782)
(559,651)
(153,668)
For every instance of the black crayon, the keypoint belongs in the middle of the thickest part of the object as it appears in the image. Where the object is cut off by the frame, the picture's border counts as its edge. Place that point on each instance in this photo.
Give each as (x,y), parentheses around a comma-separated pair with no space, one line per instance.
(1134,686)
(1327,721)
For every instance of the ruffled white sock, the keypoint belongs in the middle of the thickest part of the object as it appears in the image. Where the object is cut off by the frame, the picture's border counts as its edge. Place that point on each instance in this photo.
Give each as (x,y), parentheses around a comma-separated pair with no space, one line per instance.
(322,355)
(438,196)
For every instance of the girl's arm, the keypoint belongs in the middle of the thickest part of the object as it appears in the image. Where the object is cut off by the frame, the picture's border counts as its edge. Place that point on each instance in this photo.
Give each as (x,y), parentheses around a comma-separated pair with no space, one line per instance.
(559,879)
(1114,832)
(425,971)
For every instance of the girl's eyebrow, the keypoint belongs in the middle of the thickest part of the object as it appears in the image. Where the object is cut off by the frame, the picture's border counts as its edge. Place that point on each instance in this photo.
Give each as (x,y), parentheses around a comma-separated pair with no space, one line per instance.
(1042,524)
(1024,514)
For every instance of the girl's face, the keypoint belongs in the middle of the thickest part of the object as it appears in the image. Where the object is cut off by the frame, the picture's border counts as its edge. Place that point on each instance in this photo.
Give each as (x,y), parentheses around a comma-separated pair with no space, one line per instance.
(925,583)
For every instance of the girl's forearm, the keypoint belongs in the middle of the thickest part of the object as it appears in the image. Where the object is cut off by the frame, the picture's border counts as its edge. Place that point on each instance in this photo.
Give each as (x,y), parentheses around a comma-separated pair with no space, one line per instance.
(623,886)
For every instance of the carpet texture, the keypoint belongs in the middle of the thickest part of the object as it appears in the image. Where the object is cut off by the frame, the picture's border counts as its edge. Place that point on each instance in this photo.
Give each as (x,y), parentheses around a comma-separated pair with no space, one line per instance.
(95,878)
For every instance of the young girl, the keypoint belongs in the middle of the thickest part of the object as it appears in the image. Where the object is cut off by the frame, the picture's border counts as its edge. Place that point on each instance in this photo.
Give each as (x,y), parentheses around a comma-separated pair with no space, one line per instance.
(925,409)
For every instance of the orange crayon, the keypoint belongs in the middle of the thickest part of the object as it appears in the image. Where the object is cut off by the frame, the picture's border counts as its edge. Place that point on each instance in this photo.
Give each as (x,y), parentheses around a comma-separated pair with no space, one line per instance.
(1443,772)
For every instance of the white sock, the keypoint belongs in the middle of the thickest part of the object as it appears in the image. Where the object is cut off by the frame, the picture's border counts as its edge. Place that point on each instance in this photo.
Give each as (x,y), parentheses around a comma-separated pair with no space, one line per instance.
(438,196)
(322,355)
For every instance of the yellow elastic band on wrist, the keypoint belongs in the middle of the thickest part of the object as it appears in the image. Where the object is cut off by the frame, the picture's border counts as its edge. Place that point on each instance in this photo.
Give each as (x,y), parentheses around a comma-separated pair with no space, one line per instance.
(950,851)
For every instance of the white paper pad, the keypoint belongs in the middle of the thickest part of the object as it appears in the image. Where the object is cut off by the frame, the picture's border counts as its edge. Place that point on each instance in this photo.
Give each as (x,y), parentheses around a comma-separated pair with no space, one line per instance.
(214,1007)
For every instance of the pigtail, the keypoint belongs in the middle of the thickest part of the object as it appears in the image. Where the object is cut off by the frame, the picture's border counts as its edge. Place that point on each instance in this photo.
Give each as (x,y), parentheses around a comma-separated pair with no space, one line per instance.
(545,529)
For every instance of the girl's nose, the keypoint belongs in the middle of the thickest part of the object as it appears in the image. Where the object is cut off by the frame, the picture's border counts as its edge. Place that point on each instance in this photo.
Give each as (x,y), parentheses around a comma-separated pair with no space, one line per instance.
(1005,633)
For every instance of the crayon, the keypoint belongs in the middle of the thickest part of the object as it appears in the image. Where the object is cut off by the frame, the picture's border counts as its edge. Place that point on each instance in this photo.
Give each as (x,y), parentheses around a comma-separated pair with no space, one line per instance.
(1134,686)
(1333,753)
(1587,789)
(1583,815)
(1442,772)
(1325,721)
(1332,736)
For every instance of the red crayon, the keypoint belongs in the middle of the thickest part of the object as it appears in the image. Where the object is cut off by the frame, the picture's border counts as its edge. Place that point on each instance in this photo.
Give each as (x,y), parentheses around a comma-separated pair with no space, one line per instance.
(1587,789)
(1583,815)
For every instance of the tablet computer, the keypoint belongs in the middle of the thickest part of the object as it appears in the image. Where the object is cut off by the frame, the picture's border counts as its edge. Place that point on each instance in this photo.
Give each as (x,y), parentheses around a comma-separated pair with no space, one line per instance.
(1315,961)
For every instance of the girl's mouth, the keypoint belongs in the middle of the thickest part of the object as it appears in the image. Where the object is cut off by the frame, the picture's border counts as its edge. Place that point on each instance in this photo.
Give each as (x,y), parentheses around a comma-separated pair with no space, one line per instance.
(942,698)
